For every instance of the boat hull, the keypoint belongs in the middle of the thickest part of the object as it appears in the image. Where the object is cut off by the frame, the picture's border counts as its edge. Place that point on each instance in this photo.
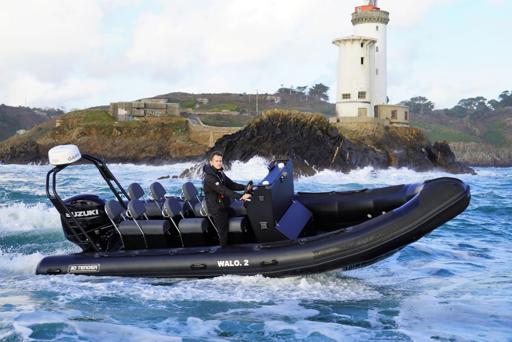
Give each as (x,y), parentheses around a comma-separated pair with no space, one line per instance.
(437,202)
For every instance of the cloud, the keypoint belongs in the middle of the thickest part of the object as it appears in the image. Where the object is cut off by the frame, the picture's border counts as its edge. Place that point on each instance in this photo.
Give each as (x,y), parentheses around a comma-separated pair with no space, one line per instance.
(26,89)
(48,38)
(405,14)
(86,52)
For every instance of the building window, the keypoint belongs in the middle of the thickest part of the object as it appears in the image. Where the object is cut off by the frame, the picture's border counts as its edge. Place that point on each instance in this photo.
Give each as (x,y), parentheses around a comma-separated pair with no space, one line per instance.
(376,71)
(361,95)
(377,28)
(406,115)
(377,49)
(345,96)
(394,114)
(362,45)
(362,60)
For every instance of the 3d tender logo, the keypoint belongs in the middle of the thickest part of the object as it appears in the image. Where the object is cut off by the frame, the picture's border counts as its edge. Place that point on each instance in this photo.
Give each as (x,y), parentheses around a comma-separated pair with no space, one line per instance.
(84,268)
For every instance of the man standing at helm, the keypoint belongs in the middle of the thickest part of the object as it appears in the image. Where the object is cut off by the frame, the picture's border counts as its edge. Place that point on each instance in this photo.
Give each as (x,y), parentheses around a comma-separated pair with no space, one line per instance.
(219,191)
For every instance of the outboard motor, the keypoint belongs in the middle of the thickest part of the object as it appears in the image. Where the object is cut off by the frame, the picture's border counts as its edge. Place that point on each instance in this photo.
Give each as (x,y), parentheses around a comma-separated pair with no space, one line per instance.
(83,217)
(89,211)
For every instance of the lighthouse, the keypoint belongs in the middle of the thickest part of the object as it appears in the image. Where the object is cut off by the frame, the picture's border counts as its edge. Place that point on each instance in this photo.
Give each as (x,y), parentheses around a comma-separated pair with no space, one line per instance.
(362,69)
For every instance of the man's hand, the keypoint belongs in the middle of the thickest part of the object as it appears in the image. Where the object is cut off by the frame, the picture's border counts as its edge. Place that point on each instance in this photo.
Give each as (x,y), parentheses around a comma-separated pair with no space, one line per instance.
(246,197)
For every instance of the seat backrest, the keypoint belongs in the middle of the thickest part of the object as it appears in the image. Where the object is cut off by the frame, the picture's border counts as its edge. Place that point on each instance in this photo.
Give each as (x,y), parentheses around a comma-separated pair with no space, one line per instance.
(135,191)
(190,191)
(136,208)
(157,191)
(114,210)
(172,207)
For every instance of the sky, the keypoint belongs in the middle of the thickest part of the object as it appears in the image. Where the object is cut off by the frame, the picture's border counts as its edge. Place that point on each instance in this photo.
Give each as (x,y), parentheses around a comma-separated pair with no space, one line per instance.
(83,53)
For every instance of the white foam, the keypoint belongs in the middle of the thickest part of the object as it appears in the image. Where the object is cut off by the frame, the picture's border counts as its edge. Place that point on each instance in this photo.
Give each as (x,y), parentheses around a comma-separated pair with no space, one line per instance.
(255,169)
(303,329)
(93,331)
(90,331)
(454,318)
(288,309)
(194,327)
(19,263)
(21,217)
(371,176)
(257,289)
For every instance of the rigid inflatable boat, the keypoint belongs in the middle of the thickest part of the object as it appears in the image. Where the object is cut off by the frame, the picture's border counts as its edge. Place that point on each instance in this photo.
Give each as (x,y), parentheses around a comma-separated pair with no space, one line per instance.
(278,233)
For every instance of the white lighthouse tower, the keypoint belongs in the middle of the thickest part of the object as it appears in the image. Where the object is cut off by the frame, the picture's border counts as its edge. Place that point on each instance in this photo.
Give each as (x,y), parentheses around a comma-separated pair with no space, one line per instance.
(362,66)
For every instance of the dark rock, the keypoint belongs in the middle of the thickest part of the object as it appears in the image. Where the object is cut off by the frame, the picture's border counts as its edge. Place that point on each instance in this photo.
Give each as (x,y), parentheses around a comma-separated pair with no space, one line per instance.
(313,144)
(442,156)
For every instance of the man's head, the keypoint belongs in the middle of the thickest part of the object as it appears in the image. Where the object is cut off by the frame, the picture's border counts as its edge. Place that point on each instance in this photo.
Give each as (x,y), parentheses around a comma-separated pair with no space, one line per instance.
(216,160)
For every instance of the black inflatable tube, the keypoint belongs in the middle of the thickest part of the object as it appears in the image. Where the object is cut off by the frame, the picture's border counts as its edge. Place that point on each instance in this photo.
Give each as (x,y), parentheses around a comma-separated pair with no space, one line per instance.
(438,201)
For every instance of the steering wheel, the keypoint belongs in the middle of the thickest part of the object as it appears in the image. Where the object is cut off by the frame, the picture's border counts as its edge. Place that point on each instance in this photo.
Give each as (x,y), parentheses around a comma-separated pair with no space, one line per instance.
(248,187)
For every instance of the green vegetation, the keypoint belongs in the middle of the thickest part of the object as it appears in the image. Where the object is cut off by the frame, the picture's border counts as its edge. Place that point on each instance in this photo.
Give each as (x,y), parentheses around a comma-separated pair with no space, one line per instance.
(189,104)
(231,107)
(317,92)
(294,116)
(437,132)
(91,117)
(225,120)
(494,135)
(473,119)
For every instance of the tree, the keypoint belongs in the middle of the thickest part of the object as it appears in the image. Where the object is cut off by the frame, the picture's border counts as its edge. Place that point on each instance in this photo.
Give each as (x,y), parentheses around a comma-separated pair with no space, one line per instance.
(319,91)
(302,89)
(506,99)
(494,104)
(474,104)
(419,105)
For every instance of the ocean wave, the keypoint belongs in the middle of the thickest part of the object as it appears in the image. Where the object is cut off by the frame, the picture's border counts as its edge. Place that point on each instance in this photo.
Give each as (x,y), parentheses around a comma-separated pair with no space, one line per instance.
(21,217)
(19,263)
(255,289)
(256,169)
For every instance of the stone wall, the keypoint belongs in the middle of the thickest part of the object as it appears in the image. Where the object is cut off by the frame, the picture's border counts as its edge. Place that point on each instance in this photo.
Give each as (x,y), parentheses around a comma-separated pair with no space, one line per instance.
(208,135)
(394,115)
(126,111)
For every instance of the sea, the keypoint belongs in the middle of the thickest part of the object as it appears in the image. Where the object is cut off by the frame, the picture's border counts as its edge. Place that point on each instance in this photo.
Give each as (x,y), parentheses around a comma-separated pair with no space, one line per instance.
(454,284)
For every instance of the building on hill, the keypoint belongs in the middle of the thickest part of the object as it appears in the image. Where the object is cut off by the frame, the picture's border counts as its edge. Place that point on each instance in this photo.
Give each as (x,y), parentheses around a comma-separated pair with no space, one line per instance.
(362,71)
(126,111)
(202,101)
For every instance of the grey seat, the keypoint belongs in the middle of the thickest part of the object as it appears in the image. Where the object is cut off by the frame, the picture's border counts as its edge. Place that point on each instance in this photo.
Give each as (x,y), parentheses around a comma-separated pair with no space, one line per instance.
(136,231)
(135,191)
(153,209)
(173,210)
(157,192)
(191,196)
(195,204)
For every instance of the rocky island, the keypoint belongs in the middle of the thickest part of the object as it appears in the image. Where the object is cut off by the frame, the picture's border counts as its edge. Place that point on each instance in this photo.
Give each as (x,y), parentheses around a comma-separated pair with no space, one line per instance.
(310,140)
(314,144)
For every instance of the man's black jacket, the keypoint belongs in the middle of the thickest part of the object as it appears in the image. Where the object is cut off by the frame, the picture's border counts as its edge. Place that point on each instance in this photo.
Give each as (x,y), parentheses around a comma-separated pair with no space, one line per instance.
(218,189)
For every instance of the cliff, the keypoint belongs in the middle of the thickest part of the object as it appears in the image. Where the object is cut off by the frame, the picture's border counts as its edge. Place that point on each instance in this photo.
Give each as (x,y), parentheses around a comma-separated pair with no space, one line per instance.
(314,144)
(15,118)
(308,139)
(155,140)
(480,137)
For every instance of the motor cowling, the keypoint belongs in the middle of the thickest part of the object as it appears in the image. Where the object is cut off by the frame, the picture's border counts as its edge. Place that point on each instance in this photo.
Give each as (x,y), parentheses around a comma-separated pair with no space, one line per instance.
(89,212)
